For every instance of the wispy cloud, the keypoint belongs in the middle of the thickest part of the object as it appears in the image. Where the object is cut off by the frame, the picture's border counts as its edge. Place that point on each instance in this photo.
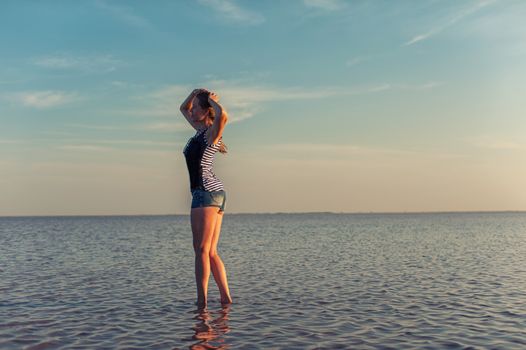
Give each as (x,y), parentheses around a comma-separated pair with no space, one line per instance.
(247,94)
(424,86)
(341,151)
(125,85)
(329,5)
(89,63)
(44,99)
(94,144)
(124,13)
(504,29)
(233,13)
(89,148)
(496,143)
(137,142)
(11,141)
(97,127)
(153,126)
(339,148)
(167,127)
(354,61)
(244,101)
(107,145)
(453,19)
(112,151)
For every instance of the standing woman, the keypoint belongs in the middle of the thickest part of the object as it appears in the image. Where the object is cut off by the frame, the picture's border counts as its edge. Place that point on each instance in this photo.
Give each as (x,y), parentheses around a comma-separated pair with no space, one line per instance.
(203,111)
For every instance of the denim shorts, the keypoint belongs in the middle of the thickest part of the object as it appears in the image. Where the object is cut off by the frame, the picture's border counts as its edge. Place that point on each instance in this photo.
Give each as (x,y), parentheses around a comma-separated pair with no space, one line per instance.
(202,198)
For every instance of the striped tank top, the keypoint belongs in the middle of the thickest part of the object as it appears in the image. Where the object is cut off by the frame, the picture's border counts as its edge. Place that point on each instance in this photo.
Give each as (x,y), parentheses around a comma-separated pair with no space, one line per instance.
(199,160)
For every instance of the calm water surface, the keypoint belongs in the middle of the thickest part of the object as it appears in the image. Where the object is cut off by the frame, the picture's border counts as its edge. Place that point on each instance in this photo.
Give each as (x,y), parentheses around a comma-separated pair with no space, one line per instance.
(299,281)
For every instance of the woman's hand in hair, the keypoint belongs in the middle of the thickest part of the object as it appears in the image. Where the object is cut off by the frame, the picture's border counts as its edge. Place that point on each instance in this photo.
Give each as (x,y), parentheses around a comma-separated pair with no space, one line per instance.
(213,96)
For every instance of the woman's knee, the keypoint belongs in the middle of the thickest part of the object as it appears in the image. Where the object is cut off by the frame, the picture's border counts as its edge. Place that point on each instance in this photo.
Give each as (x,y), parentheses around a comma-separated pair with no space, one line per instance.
(201,250)
(213,254)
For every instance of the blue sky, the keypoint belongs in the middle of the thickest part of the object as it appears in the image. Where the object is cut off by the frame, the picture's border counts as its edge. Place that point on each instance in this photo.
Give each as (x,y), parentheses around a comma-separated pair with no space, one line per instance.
(346,106)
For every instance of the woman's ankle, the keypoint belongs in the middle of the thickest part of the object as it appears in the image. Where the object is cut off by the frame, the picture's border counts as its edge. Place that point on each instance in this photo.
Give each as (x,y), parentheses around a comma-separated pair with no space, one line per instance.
(226,300)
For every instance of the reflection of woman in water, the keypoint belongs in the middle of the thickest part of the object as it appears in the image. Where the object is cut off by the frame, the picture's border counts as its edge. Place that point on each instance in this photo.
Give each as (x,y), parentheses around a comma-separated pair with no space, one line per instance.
(203,111)
(210,331)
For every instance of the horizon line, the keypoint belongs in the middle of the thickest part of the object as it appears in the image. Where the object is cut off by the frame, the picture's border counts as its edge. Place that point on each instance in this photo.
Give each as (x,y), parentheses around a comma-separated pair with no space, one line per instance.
(281,213)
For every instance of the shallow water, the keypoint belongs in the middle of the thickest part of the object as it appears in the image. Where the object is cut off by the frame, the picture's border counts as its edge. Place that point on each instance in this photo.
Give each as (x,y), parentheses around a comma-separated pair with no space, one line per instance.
(299,281)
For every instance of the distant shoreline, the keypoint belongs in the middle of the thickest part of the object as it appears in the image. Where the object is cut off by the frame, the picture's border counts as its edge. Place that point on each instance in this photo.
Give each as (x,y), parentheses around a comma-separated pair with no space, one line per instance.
(278,213)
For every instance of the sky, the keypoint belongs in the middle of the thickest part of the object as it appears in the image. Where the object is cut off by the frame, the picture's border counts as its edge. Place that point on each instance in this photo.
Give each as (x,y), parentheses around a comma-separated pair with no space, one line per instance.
(337,106)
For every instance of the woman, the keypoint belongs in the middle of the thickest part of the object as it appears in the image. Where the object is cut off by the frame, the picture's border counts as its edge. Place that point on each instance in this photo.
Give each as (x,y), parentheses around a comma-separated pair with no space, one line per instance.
(203,111)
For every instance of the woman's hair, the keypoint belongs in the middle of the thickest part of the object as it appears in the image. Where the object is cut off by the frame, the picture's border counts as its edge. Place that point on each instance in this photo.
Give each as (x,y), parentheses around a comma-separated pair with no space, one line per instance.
(202,99)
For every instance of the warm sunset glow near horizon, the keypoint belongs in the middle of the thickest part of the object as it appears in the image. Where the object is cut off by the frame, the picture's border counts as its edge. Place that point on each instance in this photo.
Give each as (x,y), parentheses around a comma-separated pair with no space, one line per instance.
(341,106)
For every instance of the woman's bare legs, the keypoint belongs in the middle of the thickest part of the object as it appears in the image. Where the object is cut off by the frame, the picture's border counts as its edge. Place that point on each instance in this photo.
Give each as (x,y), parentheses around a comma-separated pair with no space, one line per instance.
(203,221)
(218,268)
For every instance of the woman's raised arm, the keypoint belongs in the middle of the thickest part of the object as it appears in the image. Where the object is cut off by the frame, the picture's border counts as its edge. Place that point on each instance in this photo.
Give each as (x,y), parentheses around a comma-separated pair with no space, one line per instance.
(187,105)
(221,117)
